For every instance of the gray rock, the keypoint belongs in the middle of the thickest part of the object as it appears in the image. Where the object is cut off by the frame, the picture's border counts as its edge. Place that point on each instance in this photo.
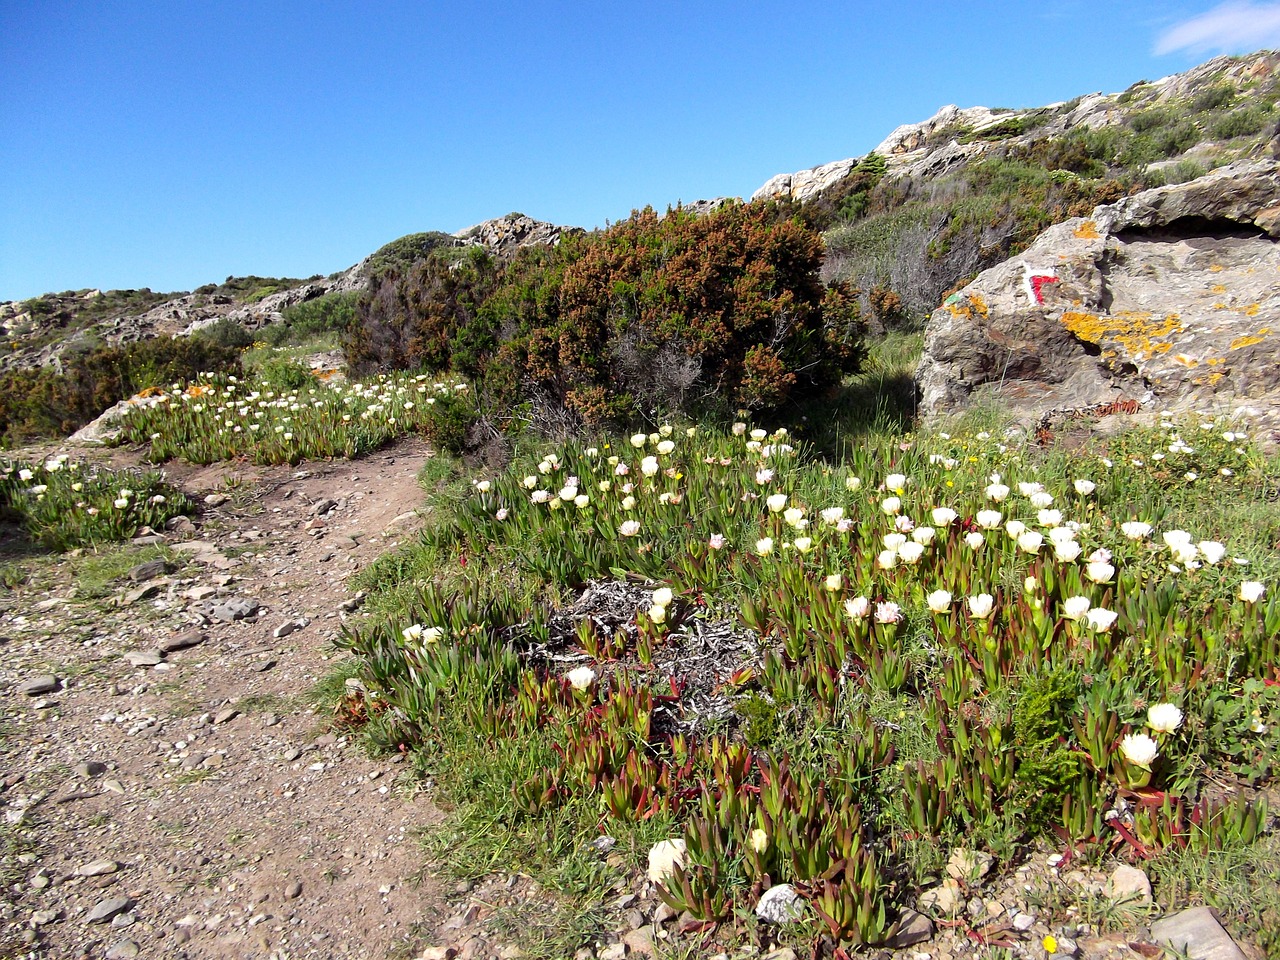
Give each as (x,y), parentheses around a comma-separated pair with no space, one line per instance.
(144,658)
(235,608)
(1022,922)
(138,594)
(913,928)
(98,868)
(89,770)
(1197,934)
(148,571)
(42,918)
(321,507)
(505,235)
(969,865)
(288,627)
(1128,884)
(105,910)
(293,891)
(216,499)
(226,715)
(614,951)
(123,950)
(182,641)
(1138,302)
(36,686)
(780,904)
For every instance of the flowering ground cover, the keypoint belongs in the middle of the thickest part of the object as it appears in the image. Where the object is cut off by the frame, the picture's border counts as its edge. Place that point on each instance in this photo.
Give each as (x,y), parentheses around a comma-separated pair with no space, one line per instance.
(825,673)
(63,503)
(221,418)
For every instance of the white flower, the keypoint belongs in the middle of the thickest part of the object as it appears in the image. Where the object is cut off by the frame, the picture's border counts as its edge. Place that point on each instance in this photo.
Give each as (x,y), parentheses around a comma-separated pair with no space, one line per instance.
(1164,717)
(1211,550)
(888,612)
(974,540)
(412,634)
(540,496)
(923,536)
(581,500)
(903,524)
(763,475)
(664,857)
(1099,571)
(581,678)
(857,607)
(980,605)
(1139,749)
(1100,619)
(484,486)
(1041,500)
(502,514)
(776,502)
(25,474)
(886,559)
(939,601)
(852,484)
(758,434)
(649,466)
(1251,591)
(794,517)
(942,516)
(764,546)
(637,440)
(892,541)
(1015,528)
(896,482)
(997,492)
(910,552)
(568,493)
(1174,538)
(122,503)
(832,515)
(1085,487)
(1073,608)
(739,429)
(988,519)
(834,582)
(665,447)
(890,505)
(717,541)
(759,840)
(1030,542)
(804,544)
(1066,551)
(1049,518)
(628,502)
(1030,489)
(663,596)
(658,614)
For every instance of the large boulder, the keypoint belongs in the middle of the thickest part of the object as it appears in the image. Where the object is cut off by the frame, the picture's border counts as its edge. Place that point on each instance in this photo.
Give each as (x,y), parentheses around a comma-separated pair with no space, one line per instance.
(1168,298)
(505,235)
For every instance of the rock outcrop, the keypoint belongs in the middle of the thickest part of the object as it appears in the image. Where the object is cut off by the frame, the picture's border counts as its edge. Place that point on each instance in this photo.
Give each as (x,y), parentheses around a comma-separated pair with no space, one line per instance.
(1168,298)
(505,235)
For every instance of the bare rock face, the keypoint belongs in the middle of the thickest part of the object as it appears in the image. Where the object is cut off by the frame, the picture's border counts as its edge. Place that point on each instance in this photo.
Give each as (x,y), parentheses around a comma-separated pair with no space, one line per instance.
(505,235)
(1168,298)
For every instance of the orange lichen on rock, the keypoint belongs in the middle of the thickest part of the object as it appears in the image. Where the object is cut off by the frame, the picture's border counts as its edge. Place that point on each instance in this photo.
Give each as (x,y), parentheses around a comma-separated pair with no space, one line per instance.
(1087,231)
(972,306)
(1249,339)
(1138,332)
(1218,288)
(1252,310)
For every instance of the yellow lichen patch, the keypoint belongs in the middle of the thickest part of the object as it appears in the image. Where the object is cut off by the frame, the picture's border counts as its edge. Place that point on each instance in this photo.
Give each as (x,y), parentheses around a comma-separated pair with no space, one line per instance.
(1252,310)
(1185,360)
(1214,361)
(1087,231)
(1138,332)
(1219,306)
(972,306)
(1248,339)
(1215,268)
(1219,288)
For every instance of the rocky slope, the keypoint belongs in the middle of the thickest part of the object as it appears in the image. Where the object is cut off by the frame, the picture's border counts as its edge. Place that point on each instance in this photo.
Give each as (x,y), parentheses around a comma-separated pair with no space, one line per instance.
(1167,298)
(31,342)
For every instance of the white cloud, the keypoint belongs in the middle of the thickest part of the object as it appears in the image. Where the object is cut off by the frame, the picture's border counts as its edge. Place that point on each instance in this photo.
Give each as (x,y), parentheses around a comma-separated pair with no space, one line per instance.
(1233,27)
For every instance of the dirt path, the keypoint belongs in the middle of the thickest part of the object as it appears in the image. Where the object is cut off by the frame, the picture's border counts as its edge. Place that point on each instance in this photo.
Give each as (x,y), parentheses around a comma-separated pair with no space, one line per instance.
(189,801)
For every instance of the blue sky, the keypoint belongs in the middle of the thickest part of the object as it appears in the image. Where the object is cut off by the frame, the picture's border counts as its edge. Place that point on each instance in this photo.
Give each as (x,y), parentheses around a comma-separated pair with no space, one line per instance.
(172,144)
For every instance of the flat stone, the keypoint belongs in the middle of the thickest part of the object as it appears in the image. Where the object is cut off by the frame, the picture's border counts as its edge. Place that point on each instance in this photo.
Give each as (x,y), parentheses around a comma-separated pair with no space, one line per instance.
(97,868)
(614,951)
(1128,884)
(42,918)
(293,891)
(138,594)
(946,900)
(288,627)
(179,525)
(216,499)
(182,641)
(969,865)
(780,904)
(639,941)
(1197,934)
(235,608)
(321,507)
(226,715)
(89,769)
(36,686)
(201,593)
(913,928)
(105,910)
(148,571)
(124,950)
(144,658)
(1022,922)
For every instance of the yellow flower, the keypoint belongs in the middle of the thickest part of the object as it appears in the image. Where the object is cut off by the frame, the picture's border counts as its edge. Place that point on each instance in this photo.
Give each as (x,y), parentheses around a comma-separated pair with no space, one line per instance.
(1050,943)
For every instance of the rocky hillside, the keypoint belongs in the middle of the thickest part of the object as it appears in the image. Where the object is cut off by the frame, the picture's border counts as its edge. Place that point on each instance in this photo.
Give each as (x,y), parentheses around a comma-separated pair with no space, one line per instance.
(37,331)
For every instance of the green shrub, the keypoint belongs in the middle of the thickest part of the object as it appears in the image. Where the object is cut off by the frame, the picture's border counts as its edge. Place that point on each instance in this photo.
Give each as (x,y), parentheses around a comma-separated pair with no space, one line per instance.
(1183,171)
(225,333)
(398,255)
(46,402)
(1241,123)
(1213,97)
